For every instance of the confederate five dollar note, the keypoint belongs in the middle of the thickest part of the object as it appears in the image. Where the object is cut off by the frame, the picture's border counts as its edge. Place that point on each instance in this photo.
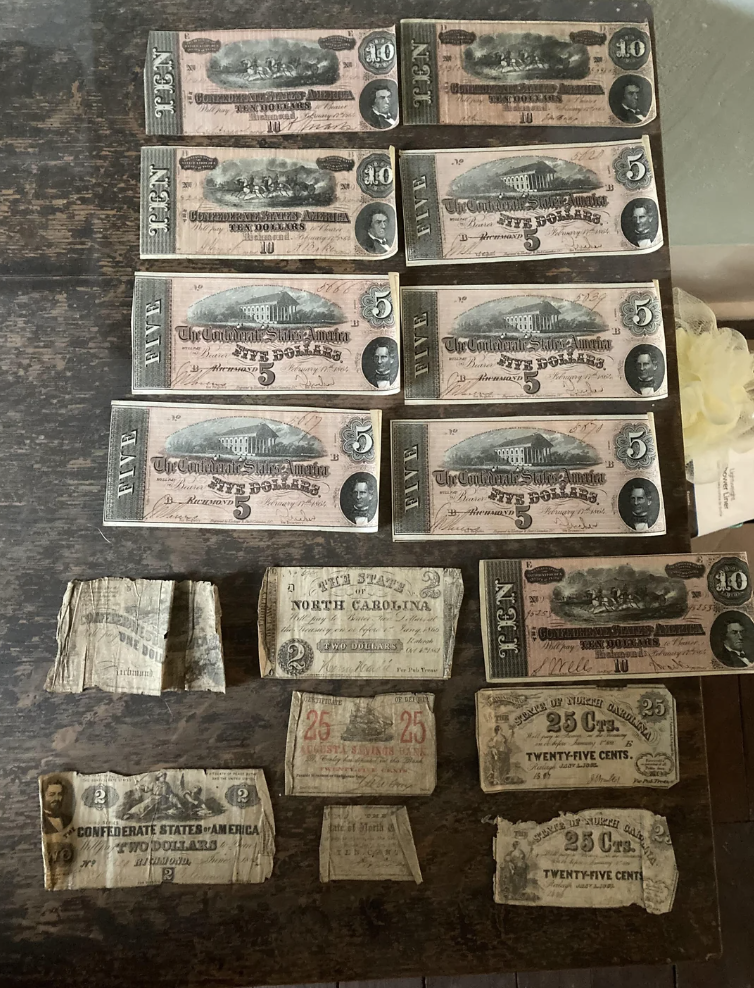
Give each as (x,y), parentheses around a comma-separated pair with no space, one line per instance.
(270,82)
(361,746)
(596,859)
(536,73)
(367,843)
(334,622)
(255,202)
(138,636)
(282,334)
(189,826)
(584,737)
(554,342)
(685,615)
(551,200)
(528,476)
(243,466)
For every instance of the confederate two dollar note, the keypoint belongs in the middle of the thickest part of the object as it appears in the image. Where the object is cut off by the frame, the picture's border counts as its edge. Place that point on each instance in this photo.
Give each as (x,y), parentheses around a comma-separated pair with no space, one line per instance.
(243,466)
(513,477)
(550,200)
(266,204)
(684,615)
(280,334)
(596,859)
(270,82)
(536,73)
(189,826)
(335,622)
(361,746)
(542,342)
(585,737)
(138,636)
(367,843)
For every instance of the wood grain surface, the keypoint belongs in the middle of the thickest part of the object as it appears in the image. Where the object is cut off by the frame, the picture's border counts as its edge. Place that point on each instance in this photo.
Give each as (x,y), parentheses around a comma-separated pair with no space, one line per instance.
(72,127)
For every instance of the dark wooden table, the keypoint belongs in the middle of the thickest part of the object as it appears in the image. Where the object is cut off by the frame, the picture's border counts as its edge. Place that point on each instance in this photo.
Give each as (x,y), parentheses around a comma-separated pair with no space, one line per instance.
(72,127)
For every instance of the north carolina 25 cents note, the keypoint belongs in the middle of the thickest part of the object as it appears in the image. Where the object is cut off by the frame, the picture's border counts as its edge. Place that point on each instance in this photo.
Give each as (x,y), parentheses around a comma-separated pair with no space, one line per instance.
(335,622)
(468,343)
(579,738)
(283,334)
(361,746)
(596,859)
(257,202)
(497,204)
(243,466)
(513,477)
(289,81)
(186,826)
(536,73)
(684,615)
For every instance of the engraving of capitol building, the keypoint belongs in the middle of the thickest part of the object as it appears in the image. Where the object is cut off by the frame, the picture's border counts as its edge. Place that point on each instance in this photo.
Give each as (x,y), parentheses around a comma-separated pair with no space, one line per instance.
(279,307)
(259,441)
(534,317)
(537,177)
(527,451)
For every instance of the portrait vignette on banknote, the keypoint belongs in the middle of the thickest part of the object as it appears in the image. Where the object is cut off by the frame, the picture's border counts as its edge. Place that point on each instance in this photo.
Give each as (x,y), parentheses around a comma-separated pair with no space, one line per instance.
(138,636)
(175,825)
(272,204)
(337,622)
(686,614)
(467,205)
(259,334)
(197,465)
(537,73)
(592,859)
(271,82)
(526,476)
(379,745)
(474,343)
(367,843)
(582,737)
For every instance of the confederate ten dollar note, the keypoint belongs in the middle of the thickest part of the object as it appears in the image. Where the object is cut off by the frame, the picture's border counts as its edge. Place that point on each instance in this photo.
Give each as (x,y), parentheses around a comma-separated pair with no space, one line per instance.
(243,466)
(267,204)
(335,622)
(497,204)
(361,746)
(535,73)
(187,826)
(270,82)
(585,737)
(513,477)
(282,334)
(542,342)
(595,859)
(684,615)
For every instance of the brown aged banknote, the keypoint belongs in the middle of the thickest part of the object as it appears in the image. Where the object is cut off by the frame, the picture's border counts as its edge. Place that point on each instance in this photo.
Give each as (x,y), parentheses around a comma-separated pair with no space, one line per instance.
(584,737)
(550,200)
(271,82)
(367,843)
(513,477)
(243,466)
(187,826)
(595,859)
(527,73)
(676,615)
(465,343)
(282,334)
(361,746)
(138,636)
(267,204)
(335,622)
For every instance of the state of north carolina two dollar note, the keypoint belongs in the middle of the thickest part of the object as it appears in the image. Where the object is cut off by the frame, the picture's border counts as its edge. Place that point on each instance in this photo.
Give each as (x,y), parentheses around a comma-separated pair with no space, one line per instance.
(267,204)
(550,200)
(270,82)
(527,73)
(528,476)
(243,466)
